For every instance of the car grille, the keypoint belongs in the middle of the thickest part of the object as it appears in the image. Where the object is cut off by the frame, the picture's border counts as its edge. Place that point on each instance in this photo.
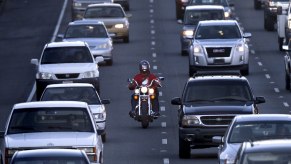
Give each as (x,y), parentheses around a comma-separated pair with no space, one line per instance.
(67,76)
(218,52)
(216,120)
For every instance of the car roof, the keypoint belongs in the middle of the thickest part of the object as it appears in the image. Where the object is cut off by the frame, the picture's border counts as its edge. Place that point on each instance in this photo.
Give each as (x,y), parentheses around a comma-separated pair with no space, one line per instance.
(217,22)
(86,22)
(50,153)
(41,104)
(270,145)
(217,75)
(204,7)
(262,117)
(70,85)
(66,44)
(104,4)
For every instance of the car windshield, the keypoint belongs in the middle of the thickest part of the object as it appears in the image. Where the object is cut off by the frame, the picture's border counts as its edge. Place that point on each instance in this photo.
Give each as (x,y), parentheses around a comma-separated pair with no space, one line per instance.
(192,17)
(218,32)
(208,2)
(267,157)
(58,55)
(86,94)
(260,130)
(86,31)
(217,91)
(50,160)
(54,119)
(104,12)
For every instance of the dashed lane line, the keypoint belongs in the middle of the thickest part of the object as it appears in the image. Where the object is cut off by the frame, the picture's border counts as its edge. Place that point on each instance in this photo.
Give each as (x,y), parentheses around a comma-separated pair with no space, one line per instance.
(285,104)
(267,76)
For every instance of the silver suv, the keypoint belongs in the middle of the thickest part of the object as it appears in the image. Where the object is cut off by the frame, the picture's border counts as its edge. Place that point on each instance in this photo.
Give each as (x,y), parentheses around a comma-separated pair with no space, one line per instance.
(219,44)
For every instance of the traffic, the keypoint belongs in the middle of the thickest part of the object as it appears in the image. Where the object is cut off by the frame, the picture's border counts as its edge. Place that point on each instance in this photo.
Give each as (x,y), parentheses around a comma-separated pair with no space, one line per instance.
(145,81)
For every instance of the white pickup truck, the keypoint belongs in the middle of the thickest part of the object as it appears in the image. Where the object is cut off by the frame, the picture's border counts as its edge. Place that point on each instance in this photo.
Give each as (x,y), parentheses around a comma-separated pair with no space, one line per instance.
(284,26)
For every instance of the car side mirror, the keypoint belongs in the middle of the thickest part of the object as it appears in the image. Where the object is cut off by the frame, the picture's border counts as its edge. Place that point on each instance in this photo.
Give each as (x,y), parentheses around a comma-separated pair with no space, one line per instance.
(34,61)
(105,101)
(162,78)
(217,139)
(260,100)
(180,21)
(128,15)
(2,134)
(176,101)
(247,35)
(99,59)
(112,34)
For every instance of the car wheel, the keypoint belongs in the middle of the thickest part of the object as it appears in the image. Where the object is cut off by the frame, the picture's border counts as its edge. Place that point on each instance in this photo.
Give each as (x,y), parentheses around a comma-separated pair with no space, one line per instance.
(245,71)
(38,93)
(257,5)
(109,62)
(191,71)
(287,81)
(280,42)
(184,53)
(103,137)
(184,149)
(126,39)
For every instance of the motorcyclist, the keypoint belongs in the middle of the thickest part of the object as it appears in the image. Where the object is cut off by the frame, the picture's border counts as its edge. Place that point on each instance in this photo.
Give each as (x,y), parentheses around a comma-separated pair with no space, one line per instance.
(145,75)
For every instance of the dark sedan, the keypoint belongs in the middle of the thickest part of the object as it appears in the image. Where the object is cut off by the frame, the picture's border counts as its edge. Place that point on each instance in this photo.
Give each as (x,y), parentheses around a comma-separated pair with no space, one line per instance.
(41,156)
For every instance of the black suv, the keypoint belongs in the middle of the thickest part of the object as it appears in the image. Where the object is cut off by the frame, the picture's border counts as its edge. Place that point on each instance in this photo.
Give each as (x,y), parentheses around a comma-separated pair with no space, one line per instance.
(208,104)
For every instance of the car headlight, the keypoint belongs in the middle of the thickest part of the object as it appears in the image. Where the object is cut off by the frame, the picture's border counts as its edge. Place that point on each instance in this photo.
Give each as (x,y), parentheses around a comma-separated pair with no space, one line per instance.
(144,89)
(190,120)
(119,26)
(87,149)
(136,91)
(44,75)
(77,4)
(197,49)
(187,33)
(99,116)
(240,48)
(90,74)
(226,14)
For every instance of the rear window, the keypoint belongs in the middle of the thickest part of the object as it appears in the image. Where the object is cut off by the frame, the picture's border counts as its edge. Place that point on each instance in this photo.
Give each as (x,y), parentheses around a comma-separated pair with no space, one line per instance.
(218,32)
(104,12)
(50,160)
(208,2)
(192,17)
(86,31)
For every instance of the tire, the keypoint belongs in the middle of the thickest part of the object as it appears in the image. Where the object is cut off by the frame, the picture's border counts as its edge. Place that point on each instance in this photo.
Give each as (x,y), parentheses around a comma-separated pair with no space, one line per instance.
(280,43)
(103,137)
(126,39)
(38,94)
(245,72)
(109,62)
(184,53)
(257,5)
(184,149)
(287,82)
(191,71)
(144,119)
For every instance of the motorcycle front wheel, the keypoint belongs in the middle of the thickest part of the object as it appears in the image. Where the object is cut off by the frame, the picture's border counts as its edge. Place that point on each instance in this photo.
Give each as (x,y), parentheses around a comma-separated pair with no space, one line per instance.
(144,115)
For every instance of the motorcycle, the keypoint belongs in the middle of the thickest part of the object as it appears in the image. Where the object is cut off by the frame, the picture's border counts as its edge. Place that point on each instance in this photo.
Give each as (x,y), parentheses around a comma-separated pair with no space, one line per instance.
(144,94)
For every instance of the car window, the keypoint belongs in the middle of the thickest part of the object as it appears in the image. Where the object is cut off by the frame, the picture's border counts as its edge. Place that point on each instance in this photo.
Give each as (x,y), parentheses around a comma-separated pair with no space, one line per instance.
(208,2)
(86,31)
(192,17)
(218,32)
(58,55)
(86,94)
(104,12)
(277,156)
(217,91)
(55,160)
(56,119)
(259,130)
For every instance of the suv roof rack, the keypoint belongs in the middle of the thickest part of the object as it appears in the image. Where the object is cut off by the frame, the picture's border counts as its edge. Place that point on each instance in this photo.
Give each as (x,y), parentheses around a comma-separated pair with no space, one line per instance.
(217,73)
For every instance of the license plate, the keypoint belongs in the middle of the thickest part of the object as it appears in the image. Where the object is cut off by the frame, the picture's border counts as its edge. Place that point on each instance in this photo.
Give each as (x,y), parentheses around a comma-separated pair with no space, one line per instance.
(219,61)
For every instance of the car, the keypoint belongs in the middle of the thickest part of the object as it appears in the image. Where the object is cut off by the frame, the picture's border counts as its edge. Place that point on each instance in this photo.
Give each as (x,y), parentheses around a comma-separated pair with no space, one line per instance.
(275,151)
(209,102)
(94,33)
(123,3)
(78,7)
(66,62)
(113,16)
(52,124)
(40,156)
(270,12)
(194,14)
(80,92)
(251,128)
(219,45)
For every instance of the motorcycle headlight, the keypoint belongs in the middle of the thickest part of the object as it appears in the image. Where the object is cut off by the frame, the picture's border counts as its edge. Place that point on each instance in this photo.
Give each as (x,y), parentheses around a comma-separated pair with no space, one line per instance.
(190,120)
(197,49)
(240,48)
(90,74)
(151,91)
(188,33)
(44,75)
(144,89)
(77,4)
(136,91)
(119,26)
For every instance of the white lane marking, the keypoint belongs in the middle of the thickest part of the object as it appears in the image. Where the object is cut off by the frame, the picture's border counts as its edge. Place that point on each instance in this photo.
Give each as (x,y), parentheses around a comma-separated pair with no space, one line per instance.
(151,10)
(164,124)
(166,161)
(253,52)
(164,132)
(285,104)
(163,151)
(152,21)
(57,27)
(153,43)
(155,67)
(154,55)
(250,45)
(267,76)
(163,108)
(152,48)
(162,101)
(260,63)
(153,31)
(160,94)
(164,141)
(276,90)
(151,1)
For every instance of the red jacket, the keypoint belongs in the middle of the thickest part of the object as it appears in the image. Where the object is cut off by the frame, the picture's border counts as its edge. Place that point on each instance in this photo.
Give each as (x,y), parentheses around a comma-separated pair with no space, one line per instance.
(139,78)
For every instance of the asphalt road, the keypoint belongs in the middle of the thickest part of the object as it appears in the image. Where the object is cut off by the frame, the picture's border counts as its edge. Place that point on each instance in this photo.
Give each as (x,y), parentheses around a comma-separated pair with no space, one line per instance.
(26,25)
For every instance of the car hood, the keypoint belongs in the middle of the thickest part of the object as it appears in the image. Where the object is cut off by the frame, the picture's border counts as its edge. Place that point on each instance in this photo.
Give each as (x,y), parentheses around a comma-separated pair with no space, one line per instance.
(92,42)
(230,151)
(189,27)
(214,109)
(45,139)
(97,108)
(111,21)
(219,42)
(67,67)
